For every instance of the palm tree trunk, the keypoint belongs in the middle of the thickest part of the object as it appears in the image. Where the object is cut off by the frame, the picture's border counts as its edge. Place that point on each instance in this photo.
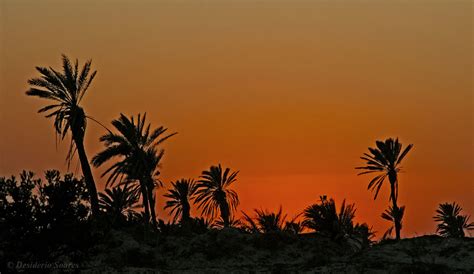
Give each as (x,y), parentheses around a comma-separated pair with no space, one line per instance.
(186,216)
(397,222)
(151,202)
(145,204)
(224,208)
(86,171)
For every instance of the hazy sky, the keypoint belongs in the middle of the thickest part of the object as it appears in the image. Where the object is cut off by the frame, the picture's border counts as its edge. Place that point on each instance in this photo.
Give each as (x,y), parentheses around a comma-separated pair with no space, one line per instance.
(290,93)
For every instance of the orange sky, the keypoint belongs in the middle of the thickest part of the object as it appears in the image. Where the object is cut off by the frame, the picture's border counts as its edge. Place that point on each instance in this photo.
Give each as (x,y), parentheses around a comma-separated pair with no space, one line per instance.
(290,93)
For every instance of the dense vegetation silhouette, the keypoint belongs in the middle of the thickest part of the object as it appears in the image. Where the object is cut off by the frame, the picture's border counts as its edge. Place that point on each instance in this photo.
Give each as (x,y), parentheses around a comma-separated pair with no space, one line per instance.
(63,218)
(38,216)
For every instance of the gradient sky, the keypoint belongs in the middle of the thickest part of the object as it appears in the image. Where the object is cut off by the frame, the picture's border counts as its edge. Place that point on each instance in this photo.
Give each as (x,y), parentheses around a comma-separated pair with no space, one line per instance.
(290,93)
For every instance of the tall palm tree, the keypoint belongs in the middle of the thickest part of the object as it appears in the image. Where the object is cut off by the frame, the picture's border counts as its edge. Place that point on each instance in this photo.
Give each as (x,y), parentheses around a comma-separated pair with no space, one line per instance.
(213,193)
(66,89)
(180,195)
(137,147)
(451,222)
(385,160)
(118,201)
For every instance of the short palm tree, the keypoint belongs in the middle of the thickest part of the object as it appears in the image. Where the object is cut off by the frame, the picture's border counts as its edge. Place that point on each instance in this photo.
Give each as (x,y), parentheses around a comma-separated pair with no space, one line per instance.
(66,89)
(213,193)
(233,222)
(324,219)
(264,221)
(293,227)
(451,222)
(179,197)
(363,234)
(394,215)
(137,146)
(385,160)
(118,202)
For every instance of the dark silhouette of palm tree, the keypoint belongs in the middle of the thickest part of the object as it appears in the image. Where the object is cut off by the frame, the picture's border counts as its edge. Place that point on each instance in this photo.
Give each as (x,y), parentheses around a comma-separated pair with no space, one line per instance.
(137,147)
(363,234)
(118,202)
(394,215)
(180,195)
(294,227)
(66,89)
(200,224)
(451,222)
(324,219)
(213,193)
(264,221)
(385,159)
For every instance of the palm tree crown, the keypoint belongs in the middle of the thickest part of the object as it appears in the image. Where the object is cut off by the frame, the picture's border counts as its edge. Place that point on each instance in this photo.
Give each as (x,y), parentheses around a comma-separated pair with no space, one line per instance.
(293,226)
(324,218)
(137,147)
(66,89)
(118,201)
(264,221)
(180,195)
(451,222)
(386,160)
(213,193)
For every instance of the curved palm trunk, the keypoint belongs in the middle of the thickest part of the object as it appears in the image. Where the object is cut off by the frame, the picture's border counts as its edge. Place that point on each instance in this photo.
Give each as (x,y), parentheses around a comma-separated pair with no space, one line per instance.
(396,219)
(86,171)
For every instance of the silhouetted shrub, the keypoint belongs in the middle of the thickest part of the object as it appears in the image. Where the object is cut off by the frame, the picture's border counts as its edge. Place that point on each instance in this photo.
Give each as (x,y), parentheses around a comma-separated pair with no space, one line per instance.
(37,216)
(19,207)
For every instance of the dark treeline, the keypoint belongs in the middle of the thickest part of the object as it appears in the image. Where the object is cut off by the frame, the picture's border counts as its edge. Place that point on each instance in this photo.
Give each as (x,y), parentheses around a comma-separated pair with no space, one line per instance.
(38,217)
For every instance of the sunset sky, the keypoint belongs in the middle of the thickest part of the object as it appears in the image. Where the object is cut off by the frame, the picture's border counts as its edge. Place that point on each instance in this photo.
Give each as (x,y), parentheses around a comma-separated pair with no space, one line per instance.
(290,93)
